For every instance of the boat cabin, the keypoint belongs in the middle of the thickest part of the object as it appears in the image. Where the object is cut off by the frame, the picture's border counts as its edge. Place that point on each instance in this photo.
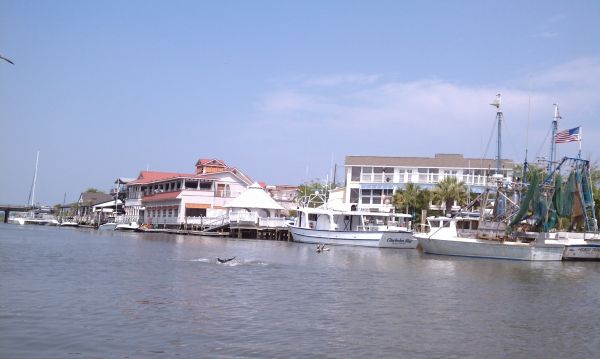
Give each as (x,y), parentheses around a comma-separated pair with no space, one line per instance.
(331,220)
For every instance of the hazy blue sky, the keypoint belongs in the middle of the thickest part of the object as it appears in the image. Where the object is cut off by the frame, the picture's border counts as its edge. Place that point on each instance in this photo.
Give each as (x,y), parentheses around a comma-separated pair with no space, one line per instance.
(282,89)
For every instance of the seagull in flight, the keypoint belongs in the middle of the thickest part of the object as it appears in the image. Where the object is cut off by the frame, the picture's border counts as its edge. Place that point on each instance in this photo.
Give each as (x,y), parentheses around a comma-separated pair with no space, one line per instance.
(7,60)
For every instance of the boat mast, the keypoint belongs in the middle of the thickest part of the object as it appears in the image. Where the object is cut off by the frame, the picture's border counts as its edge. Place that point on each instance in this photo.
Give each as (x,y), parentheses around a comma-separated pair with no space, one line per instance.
(553,139)
(32,194)
(497,102)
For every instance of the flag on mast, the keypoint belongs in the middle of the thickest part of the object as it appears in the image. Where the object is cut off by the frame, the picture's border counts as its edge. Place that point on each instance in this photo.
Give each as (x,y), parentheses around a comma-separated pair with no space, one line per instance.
(573,134)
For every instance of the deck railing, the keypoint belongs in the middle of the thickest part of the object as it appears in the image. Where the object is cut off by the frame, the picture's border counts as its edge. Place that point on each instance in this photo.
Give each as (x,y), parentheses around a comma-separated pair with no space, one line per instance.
(272,222)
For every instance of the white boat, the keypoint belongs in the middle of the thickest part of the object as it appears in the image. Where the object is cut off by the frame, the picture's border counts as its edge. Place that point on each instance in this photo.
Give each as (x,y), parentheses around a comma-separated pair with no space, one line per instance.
(69,223)
(131,226)
(578,246)
(109,226)
(357,228)
(443,238)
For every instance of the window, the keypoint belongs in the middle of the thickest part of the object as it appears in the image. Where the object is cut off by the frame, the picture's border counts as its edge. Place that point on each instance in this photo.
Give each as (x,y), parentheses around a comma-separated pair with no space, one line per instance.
(367,174)
(422,175)
(433,175)
(375,196)
(377,174)
(170,212)
(401,177)
(355,176)
(354,195)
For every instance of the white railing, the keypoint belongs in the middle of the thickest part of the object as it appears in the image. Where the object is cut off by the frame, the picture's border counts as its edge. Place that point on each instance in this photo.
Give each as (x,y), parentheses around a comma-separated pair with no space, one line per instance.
(245,217)
(272,222)
(207,221)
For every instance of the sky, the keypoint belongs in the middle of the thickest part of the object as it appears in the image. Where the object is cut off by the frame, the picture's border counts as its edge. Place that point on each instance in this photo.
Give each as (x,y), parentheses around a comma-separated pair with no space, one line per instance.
(283,90)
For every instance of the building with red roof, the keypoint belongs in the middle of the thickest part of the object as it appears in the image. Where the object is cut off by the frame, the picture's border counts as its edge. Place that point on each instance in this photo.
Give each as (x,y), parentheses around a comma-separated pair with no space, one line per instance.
(169,199)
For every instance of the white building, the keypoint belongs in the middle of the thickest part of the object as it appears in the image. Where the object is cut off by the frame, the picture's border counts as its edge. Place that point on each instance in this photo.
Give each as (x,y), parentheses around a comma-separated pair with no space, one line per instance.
(170,199)
(371,181)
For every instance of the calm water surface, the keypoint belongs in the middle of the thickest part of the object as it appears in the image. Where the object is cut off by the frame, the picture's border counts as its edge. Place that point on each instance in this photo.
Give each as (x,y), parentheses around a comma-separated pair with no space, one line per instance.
(78,293)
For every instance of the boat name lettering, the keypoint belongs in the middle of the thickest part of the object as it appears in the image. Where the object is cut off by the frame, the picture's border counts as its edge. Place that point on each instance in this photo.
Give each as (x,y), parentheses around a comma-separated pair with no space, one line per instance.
(394,240)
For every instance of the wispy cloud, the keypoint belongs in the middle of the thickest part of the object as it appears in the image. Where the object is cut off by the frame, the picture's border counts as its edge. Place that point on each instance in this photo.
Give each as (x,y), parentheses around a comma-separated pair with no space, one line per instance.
(344,79)
(379,116)
(428,100)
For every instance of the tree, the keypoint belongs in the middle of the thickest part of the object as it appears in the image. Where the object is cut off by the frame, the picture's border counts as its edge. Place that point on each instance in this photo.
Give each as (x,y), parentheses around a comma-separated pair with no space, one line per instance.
(408,198)
(312,194)
(92,190)
(449,190)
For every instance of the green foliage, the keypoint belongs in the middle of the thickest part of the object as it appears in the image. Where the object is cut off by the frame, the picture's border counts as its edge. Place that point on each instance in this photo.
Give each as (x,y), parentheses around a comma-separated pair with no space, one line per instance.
(313,192)
(92,190)
(411,200)
(449,190)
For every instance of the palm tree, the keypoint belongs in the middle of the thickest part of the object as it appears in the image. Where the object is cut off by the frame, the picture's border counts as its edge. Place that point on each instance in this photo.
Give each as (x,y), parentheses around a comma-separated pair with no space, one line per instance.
(448,190)
(408,197)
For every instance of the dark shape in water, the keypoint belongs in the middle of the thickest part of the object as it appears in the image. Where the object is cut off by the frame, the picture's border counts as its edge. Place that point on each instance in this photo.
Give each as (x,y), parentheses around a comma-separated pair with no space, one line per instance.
(220,260)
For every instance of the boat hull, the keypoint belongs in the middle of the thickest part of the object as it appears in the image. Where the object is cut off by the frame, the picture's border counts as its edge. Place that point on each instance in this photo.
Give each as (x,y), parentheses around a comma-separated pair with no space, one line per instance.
(380,239)
(107,227)
(468,247)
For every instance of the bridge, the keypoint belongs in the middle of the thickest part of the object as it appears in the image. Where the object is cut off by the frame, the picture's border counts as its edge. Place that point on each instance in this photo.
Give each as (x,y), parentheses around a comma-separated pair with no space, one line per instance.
(7,208)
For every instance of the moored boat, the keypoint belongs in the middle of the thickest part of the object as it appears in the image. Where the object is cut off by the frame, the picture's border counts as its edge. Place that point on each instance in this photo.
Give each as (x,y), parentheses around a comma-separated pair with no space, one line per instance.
(131,226)
(443,238)
(357,228)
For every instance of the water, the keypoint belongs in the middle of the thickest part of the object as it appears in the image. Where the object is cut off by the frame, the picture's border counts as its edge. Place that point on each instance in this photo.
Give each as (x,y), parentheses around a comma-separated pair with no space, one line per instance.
(78,293)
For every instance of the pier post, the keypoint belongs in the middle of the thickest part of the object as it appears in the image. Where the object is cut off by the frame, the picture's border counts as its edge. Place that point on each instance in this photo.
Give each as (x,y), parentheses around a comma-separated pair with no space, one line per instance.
(6,214)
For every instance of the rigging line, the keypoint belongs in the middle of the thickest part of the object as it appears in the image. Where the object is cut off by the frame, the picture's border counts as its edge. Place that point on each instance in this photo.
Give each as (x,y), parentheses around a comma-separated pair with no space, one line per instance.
(487,147)
(537,154)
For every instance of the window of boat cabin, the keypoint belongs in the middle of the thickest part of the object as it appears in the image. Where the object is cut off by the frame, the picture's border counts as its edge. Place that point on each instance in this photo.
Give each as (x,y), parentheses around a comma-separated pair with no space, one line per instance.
(355,176)
(436,223)
(312,216)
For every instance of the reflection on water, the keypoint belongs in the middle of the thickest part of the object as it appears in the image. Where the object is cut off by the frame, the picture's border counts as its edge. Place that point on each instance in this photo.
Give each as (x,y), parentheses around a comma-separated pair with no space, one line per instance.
(82,293)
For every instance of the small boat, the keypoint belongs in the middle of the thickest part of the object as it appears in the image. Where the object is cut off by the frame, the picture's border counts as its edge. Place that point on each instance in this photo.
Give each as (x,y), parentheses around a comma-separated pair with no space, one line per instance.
(109,226)
(356,228)
(131,226)
(68,223)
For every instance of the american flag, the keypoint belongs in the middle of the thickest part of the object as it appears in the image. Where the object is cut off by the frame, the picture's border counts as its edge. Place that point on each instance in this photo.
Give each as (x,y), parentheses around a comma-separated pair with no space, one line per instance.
(564,136)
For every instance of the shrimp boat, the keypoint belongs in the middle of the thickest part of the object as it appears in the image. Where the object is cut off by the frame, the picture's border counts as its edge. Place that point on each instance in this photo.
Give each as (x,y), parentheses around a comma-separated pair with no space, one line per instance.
(355,228)
(496,235)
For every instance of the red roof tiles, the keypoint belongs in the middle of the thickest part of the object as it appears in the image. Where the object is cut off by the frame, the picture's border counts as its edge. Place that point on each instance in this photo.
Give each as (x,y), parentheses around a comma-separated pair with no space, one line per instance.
(152,176)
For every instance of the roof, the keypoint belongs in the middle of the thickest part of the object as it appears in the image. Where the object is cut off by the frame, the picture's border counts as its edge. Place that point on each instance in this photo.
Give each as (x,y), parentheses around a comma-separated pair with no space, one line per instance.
(91,198)
(254,197)
(161,196)
(108,204)
(210,161)
(440,161)
(152,176)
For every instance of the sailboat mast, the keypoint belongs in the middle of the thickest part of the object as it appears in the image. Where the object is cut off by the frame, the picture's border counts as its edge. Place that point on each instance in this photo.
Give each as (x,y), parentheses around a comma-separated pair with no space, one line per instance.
(37,157)
(553,139)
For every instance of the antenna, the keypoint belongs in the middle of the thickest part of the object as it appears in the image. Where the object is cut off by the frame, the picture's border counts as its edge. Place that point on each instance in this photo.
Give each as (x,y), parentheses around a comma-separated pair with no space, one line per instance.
(497,103)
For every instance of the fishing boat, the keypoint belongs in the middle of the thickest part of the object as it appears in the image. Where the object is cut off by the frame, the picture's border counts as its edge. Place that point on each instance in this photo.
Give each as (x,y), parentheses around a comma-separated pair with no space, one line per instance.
(356,228)
(443,238)
(500,212)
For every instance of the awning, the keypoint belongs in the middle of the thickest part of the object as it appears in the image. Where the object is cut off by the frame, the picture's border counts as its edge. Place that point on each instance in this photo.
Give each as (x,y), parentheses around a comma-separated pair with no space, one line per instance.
(381,185)
(197,205)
